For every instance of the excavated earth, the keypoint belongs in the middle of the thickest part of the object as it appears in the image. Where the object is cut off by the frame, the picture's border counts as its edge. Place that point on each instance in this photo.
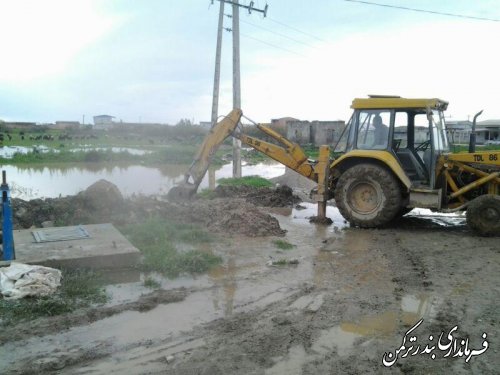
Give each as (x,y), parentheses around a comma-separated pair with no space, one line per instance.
(346,300)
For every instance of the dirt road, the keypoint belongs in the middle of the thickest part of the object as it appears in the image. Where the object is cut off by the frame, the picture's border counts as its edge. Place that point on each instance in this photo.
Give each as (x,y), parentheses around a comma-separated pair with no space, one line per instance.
(348,302)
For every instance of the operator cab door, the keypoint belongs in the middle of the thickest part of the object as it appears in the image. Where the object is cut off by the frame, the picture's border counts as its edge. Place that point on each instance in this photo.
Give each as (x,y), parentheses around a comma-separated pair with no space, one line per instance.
(412,146)
(419,138)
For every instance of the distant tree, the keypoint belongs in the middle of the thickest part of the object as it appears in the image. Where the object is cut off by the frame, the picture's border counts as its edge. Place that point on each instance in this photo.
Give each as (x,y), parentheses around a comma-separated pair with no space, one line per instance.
(184,122)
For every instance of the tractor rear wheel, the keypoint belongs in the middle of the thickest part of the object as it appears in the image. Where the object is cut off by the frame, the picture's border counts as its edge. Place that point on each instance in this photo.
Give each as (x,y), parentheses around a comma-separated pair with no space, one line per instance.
(368,195)
(483,215)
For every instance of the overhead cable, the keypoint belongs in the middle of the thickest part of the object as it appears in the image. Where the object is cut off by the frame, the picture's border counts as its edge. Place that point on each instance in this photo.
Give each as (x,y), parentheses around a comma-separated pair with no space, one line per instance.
(424,11)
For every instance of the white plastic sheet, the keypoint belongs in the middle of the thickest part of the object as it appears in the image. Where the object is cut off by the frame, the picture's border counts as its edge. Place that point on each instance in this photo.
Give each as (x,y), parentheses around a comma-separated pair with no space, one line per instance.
(20,280)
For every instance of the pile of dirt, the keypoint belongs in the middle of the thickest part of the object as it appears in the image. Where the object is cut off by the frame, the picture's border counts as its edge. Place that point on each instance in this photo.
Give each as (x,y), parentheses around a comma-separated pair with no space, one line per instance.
(102,202)
(99,203)
(232,216)
(281,196)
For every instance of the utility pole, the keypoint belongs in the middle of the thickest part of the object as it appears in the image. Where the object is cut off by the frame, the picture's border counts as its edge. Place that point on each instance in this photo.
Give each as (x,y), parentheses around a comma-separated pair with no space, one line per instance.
(236,85)
(215,98)
(236,70)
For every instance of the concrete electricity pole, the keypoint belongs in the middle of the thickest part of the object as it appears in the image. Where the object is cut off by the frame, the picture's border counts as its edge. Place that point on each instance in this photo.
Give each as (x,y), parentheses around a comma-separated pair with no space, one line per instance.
(236,71)
(215,98)
(236,85)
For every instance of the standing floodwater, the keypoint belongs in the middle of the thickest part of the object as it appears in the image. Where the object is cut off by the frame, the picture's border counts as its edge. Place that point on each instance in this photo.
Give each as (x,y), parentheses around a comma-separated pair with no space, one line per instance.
(38,181)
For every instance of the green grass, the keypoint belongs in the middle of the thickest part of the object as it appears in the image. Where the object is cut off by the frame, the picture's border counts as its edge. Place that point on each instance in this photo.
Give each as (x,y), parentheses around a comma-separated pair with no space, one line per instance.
(91,156)
(206,194)
(280,262)
(254,156)
(79,289)
(283,245)
(254,181)
(171,154)
(479,148)
(157,239)
(149,282)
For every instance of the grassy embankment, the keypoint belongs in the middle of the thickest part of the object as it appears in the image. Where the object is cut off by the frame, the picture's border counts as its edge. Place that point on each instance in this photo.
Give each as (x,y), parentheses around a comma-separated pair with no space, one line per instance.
(252,181)
(159,241)
(162,144)
(172,154)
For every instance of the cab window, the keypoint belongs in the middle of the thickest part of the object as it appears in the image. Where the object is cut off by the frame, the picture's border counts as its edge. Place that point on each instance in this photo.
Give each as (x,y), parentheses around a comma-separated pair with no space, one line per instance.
(373,129)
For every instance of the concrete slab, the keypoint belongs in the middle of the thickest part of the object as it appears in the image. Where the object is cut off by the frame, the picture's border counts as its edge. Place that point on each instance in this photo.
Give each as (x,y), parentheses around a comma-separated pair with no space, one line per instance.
(105,248)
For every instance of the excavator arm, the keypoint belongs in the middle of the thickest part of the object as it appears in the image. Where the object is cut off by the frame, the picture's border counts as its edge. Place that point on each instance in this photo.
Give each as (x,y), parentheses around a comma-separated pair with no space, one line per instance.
(288,153)
(194,175)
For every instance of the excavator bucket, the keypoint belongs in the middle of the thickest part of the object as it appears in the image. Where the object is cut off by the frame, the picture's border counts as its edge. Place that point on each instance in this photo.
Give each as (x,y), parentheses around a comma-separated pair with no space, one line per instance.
(183,191)
(207,150)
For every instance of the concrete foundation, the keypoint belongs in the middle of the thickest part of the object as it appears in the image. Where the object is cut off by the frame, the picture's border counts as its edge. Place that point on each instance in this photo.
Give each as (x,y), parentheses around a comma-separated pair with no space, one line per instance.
(105,248)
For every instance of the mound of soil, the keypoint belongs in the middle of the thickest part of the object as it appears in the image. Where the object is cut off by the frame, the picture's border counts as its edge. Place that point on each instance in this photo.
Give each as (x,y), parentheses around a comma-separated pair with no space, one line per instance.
(99,203)
(233,216)
(102,202)
(282,196)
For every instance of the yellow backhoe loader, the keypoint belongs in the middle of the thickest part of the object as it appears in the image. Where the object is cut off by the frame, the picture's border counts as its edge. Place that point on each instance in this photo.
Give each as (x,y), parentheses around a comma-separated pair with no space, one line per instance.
(392,156)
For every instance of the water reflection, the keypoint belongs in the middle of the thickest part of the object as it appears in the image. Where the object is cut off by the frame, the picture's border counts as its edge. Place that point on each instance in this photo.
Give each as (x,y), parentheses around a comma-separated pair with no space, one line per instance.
(39,181)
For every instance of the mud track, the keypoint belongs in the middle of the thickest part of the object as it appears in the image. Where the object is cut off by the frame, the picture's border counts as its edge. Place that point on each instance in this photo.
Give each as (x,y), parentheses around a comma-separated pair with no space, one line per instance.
(349,300)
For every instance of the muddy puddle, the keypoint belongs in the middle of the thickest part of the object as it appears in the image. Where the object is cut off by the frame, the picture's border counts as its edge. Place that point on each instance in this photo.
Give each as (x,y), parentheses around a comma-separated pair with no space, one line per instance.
(35,181)
(345,338)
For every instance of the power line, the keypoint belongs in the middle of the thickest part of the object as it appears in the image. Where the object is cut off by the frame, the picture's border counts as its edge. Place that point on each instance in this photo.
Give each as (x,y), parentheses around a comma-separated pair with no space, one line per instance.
(424,11)
(295,29)
(271,45)
(279,34)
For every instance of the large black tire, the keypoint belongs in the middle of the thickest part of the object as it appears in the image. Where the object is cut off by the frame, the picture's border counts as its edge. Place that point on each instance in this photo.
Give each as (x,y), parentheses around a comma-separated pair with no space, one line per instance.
(368,196)
(483,215)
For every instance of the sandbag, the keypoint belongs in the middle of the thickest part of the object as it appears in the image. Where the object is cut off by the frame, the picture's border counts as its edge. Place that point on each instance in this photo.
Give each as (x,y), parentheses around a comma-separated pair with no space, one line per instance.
(21,280)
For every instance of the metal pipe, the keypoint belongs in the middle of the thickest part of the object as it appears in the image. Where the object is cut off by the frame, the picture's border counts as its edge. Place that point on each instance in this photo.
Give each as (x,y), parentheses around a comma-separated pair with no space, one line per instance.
(475,184)
(472,141)
(7,227)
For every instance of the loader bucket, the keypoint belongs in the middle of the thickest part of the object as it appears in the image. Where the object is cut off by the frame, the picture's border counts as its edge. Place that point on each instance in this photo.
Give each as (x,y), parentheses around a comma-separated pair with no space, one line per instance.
(181,192)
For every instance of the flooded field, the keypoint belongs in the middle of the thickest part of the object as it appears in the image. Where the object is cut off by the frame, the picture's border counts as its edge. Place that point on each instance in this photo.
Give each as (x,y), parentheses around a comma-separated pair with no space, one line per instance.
(336,300)
(36,181)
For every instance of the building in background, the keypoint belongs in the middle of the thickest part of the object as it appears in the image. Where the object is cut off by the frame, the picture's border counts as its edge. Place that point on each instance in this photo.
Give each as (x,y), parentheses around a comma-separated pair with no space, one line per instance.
(280,124)
(103,121)
(487,132)
(316,133)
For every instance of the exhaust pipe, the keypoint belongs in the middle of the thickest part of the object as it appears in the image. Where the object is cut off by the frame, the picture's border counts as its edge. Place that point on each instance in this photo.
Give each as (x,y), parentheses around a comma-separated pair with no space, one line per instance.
(472,141)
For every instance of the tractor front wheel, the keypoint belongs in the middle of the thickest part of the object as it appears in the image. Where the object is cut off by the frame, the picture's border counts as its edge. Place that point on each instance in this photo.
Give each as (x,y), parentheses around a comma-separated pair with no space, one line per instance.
(483,215)
(368,196)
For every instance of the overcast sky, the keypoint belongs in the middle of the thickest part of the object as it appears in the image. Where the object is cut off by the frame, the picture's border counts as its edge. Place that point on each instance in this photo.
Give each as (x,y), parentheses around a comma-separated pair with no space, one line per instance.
(153,60)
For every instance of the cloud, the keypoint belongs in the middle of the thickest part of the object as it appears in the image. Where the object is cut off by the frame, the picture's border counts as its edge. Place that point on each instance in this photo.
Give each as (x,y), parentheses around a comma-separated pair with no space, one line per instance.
(451,60)
(40,38)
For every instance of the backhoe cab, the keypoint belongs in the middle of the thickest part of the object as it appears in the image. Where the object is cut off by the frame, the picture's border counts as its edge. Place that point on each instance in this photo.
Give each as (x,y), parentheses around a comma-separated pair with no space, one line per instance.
(392,156)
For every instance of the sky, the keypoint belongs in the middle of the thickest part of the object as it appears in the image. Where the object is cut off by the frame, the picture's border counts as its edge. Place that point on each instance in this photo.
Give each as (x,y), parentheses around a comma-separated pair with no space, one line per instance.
(153,60)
